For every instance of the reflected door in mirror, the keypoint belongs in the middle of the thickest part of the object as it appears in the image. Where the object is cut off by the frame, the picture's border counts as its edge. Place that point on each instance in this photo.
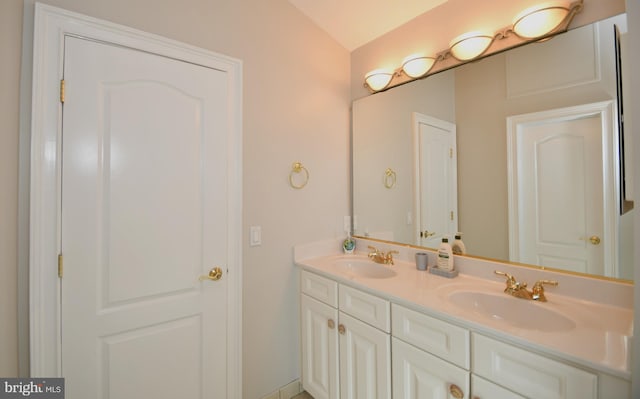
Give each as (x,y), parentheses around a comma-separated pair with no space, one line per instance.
(559,170)
(436,179)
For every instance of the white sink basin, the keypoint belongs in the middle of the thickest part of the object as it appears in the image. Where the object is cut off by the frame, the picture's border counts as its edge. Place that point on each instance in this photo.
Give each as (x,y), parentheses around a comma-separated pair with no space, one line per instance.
(517,312)
(364,268)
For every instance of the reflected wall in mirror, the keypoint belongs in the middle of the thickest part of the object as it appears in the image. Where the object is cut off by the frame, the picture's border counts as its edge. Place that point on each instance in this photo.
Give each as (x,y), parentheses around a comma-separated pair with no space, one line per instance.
(571,69)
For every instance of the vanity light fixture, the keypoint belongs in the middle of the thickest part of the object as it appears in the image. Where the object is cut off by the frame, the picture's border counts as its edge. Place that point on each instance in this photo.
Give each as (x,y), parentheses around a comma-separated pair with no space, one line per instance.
(378,79)
(540,20)
(417,65)
(470,45)
(535,23)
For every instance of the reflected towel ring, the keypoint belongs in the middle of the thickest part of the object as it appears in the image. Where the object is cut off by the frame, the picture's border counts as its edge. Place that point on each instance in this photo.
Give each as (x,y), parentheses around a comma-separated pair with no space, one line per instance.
(296,169)
(389,178)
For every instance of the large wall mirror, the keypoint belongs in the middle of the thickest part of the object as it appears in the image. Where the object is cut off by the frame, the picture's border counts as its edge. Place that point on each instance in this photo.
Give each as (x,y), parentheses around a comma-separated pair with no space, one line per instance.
(500,150)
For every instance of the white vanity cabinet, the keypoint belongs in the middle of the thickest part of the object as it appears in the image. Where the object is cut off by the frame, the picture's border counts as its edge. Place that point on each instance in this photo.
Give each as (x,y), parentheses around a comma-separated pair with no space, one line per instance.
(354,343)
(346,347)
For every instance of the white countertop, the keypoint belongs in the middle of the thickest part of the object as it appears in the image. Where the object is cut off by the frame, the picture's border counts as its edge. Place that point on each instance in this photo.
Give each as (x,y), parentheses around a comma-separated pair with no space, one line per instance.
(600,340)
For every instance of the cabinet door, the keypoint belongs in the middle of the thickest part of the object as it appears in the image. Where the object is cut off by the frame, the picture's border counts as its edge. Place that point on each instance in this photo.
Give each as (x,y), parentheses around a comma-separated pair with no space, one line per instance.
(418,375)
(365,361)
(319,348)
(483,389)
(530,374)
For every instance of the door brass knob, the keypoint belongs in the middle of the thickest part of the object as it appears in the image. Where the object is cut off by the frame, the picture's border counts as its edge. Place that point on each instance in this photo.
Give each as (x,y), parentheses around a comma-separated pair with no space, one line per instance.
(595,240)
(214,274)
(331,324)
(341,329)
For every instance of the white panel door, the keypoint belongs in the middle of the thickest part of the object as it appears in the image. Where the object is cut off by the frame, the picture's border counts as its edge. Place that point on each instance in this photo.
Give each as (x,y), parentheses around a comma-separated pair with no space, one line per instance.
(143,217)
(436,180)
(560,175)
(365,360)
(319,348)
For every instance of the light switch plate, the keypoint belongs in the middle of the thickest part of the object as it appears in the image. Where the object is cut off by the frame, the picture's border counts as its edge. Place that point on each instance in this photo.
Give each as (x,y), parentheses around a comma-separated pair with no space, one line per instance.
(255,236)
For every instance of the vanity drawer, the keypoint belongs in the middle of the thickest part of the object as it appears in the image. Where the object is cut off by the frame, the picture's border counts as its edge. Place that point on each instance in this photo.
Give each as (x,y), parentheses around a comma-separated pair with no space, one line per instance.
(529,374)
(366,307)
(320,288)
(483,389)
(440,338)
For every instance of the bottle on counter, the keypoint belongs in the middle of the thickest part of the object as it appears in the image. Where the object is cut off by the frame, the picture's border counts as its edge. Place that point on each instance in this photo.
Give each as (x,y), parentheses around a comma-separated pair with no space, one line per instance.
(445,255)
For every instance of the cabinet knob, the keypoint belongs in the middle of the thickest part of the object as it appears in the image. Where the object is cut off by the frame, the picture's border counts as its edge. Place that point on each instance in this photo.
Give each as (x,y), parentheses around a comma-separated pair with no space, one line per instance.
(456,392)
(341,329)
(331,324)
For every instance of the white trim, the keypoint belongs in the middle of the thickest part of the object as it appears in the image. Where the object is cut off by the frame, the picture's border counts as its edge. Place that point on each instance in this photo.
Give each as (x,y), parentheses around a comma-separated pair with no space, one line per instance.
(608,118)
(51,24)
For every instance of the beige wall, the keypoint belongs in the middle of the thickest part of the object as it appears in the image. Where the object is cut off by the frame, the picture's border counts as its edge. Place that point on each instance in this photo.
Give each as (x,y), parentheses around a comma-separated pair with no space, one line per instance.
(10,39)
(296,108)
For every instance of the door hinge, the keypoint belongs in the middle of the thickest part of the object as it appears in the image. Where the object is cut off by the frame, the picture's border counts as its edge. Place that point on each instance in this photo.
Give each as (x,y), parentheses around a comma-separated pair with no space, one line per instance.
(451,215)
(451,153)
(60,266)
(62,91)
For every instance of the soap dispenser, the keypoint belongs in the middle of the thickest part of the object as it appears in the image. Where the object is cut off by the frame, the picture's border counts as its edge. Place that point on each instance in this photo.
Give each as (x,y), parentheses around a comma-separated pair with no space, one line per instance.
(445,255)
(458,246)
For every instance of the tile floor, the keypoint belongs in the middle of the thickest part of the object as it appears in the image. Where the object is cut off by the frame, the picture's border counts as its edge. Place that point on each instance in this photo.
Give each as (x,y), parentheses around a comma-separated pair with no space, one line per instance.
(303,395)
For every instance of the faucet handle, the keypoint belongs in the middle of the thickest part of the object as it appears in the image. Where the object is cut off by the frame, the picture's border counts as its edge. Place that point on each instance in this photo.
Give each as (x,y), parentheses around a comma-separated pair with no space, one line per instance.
(510,279)
(389,256)
(374,252)
(538,290)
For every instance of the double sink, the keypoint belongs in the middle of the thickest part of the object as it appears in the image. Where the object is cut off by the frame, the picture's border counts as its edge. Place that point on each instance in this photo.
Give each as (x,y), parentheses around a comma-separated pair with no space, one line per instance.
(496,306)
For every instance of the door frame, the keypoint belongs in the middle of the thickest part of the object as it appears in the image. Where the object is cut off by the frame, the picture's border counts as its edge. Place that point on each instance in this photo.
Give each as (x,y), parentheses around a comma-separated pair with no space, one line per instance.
(606,111)
(51,25)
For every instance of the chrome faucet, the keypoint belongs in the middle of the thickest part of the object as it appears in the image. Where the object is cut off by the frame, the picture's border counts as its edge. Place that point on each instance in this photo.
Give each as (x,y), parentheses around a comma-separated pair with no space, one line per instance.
(380,257)
(519,290)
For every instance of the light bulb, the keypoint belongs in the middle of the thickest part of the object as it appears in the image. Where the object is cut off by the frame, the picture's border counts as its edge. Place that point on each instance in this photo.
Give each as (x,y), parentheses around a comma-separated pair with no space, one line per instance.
(417,65)
(540,20)
(470,45)
(378,79)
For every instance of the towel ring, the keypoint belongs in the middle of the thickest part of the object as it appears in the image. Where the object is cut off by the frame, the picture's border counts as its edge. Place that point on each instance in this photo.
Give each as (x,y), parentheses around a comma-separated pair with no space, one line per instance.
(389,178)
(297,168)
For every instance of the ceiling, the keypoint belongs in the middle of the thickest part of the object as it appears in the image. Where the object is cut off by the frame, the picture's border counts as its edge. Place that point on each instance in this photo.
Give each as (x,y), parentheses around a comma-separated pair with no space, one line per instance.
(356,22)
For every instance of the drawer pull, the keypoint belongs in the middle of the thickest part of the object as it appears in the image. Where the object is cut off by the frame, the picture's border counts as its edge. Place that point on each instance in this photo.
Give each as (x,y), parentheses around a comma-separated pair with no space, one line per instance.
(456,392)
(341,329)
(331,324)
